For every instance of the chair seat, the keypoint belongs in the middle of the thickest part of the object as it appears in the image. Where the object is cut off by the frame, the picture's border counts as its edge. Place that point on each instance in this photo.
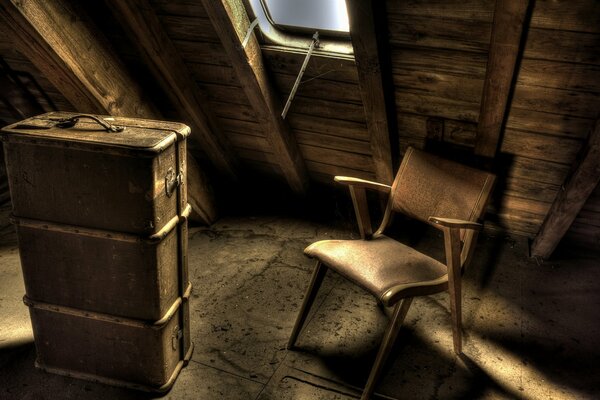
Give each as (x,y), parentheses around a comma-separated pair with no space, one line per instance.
(379,264)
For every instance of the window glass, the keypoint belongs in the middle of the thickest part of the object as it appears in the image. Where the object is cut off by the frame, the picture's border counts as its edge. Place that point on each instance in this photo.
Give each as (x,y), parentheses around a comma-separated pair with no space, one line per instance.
(312,15)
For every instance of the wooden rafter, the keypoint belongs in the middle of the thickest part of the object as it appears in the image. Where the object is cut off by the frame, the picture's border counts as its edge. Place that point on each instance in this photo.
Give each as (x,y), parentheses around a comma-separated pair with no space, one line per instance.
(72,54)
(363,27)
(59,42)
(570,199)
(231,22)
(505,45)
(139,19)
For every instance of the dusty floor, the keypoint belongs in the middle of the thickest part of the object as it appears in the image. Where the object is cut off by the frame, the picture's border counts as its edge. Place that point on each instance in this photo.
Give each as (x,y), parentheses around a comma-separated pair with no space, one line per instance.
(532,331)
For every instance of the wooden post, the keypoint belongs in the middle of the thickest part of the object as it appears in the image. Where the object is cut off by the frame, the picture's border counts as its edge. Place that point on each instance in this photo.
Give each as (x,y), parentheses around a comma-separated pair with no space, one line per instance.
(140,21)
(570,199)
(71,52)
(230,20)
(366,54)
(505,44)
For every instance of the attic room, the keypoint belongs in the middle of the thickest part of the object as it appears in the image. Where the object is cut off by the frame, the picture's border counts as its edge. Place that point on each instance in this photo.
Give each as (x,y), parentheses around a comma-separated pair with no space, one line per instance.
(284,199)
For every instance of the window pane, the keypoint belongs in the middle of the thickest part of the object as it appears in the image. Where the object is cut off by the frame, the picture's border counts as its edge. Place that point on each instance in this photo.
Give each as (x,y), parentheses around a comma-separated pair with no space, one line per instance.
(328,15)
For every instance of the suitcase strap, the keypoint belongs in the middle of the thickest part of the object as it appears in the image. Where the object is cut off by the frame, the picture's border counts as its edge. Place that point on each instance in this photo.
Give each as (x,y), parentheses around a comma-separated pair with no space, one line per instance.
(98,316)
(186,347)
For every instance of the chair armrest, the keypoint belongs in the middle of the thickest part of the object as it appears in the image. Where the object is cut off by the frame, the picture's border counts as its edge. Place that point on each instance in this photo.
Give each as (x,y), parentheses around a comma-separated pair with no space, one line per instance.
(358,188)
(455,223)
(351,181)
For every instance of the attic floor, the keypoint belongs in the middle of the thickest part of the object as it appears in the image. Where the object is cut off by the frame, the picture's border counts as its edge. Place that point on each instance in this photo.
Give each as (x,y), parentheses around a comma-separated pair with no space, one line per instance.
(531,331)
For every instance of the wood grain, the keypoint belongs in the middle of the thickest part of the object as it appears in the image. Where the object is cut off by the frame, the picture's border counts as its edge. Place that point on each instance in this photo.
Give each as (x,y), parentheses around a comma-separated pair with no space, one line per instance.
(571,199)
(169,69)
(439,33)
(231,22)
(505,45)
(472,10)
(366,31)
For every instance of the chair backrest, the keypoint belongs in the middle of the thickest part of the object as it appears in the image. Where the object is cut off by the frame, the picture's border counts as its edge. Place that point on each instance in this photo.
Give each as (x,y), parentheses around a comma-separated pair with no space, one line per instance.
(429,186)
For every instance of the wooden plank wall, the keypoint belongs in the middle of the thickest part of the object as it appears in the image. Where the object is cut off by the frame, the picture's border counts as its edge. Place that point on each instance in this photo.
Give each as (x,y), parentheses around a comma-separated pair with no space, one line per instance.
(190,30)
(42,90)
(555,103)
(326,115)
(33,79)
(439,56)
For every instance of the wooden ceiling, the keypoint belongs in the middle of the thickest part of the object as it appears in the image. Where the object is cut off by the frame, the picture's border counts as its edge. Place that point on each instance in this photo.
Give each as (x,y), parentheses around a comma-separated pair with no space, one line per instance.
(510,85)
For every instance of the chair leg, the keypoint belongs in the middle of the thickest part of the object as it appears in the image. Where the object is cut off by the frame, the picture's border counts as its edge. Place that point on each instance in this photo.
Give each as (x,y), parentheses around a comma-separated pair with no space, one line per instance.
(456,316)
(389,338)
(309,298)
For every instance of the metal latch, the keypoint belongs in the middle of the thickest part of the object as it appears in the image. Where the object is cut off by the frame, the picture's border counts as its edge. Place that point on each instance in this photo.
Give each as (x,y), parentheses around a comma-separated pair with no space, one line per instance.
(175,337)
(172,180)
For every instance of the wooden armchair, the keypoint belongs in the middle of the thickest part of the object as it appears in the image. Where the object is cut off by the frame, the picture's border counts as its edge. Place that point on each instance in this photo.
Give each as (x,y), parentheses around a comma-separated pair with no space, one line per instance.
(450,196)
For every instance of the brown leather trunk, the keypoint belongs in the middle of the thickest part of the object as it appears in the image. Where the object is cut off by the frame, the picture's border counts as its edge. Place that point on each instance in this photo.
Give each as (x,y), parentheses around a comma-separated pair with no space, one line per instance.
(101,217)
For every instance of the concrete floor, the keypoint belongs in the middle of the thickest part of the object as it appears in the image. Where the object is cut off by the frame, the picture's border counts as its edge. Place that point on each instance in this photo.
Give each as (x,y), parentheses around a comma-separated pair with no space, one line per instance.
(531,331)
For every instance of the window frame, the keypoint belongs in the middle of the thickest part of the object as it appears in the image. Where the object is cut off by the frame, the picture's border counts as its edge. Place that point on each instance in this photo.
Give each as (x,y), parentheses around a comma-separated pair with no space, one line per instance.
(332,44)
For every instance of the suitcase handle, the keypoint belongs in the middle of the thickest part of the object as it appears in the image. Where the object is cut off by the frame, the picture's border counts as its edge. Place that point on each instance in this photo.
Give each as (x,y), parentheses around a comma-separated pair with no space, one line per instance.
(70,122)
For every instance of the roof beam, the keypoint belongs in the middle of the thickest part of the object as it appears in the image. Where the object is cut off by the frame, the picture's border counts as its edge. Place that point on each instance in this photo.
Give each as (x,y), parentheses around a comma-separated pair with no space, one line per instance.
(571,198)
(168,68)
(72,54)
(505,45)
(231,22)
(367,44)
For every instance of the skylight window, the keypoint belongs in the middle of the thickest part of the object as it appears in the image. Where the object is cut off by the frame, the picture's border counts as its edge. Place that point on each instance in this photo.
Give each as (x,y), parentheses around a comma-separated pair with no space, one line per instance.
(293,23)
(325,16)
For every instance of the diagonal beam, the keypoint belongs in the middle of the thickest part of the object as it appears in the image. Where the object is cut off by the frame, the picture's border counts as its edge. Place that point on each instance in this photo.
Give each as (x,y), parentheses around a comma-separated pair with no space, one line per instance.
(72,54)
(168,68)
(505,45)
(570,199)
(60,43)
(231,22)
(363,30)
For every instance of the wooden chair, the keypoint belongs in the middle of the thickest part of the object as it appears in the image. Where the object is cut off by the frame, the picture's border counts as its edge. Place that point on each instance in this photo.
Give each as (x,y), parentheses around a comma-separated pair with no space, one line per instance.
(448,195)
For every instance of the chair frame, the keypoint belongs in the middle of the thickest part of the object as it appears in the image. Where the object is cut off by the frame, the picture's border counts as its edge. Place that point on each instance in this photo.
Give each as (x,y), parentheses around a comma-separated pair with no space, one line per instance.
(458,254)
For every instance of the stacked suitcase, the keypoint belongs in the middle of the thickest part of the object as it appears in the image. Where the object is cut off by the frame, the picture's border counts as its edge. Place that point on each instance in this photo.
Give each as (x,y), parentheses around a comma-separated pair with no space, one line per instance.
(100,209)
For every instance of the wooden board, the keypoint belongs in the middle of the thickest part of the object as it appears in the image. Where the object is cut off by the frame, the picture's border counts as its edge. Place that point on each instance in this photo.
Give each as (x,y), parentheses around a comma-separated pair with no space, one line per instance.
(559,75)
(210,73)
(189,28)
(540,147)
(439,33)
(289,61)
(336,157)
(330,109)
(549,123)
(443,61)
(557,101)
(319,88)
(457,87)
(316,168)
(436,106)
(332,142)
(186,8)
(346,129)
(584,16)
(472,10)
(202,52)
(550,44)
(241,112)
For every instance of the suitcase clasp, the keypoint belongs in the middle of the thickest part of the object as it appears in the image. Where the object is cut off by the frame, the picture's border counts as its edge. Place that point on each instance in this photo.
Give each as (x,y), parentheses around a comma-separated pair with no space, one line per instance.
(172,180)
